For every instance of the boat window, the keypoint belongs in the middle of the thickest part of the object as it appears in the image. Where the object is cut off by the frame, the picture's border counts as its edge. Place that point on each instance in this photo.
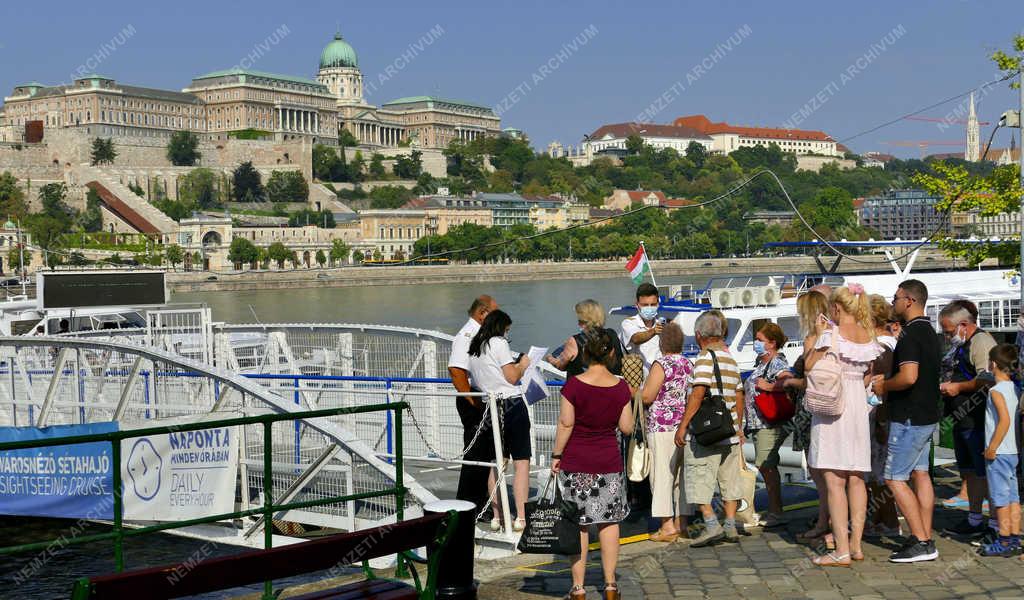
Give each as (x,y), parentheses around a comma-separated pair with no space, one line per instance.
(988,315)
(791,327)
(733,327)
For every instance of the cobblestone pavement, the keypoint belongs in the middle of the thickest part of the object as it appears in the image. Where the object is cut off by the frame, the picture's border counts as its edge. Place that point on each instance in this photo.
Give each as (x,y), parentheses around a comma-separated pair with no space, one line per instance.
(768,565)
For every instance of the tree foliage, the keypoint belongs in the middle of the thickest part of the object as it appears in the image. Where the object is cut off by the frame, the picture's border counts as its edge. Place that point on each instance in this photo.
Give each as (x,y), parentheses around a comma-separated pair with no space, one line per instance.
(198,189)
(409,167)
(278,253)
(12,199)
(990,191)
(243,252)
(339,251)
(103,151)
(246,183)
(308,216)
(287,186)
(183,149)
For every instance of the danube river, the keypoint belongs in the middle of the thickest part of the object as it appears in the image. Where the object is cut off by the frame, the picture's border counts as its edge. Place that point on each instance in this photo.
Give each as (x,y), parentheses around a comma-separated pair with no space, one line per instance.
(542,311)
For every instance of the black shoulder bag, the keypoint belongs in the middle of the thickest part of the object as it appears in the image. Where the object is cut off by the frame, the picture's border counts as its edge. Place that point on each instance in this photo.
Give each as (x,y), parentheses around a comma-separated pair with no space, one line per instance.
(713,421)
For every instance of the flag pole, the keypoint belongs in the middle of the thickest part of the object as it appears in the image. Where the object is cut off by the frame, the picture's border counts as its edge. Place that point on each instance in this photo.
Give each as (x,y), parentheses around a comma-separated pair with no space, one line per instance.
(650,268)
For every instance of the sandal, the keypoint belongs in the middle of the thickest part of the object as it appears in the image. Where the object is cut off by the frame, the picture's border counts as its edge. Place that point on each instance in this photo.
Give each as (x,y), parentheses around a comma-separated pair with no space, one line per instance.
(611,591)
(831,560)
(519,524)
(495,524)
(857,556)
(660,536)
(577,591)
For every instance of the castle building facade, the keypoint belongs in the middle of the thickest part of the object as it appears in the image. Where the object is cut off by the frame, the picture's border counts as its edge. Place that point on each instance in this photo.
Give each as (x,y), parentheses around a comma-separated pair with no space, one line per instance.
(235,102)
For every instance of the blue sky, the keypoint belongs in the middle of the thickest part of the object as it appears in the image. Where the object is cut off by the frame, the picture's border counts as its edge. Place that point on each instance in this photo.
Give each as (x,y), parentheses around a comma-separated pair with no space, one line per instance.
(627,56)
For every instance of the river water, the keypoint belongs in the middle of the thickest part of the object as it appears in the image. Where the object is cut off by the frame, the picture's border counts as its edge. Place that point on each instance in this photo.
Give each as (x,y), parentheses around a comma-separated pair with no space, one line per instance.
(542,311)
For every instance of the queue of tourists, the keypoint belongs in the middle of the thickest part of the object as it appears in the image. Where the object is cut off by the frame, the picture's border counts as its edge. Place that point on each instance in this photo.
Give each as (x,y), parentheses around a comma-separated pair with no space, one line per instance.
(863,401)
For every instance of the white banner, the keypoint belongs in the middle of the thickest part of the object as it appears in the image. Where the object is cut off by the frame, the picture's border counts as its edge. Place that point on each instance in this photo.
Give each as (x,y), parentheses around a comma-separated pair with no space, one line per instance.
(181,475)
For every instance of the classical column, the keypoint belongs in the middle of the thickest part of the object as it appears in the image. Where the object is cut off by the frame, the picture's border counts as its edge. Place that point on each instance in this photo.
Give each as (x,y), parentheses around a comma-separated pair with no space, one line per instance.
(280,119)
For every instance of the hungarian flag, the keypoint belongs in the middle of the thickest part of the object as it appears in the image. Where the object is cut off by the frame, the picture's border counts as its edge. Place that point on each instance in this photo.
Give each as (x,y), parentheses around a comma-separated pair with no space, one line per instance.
(638,266)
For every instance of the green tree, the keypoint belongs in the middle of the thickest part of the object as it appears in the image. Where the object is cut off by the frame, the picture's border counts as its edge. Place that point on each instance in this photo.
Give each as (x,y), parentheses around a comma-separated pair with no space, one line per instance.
(52,196)
(355,168)
(339,251)
(103,151)
(242,252)
(500,181)
(16,261)
(278,253)
(378,255)
(246,183)
(91,220)
(175,255)
(183,149)
(197,260)
(991,194)
(12,199)
(409,167)
(321,258)
(198,188)
(346,139)
(47,234)
(358,257)
(308,216)
(327,165)
(390,196)
(635,144)
(137,189)
(287,186)
(697,154)
(77,259)
(377,170)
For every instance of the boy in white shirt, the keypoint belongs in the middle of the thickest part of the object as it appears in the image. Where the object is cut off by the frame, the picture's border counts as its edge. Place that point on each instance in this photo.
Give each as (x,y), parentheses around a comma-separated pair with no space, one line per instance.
(1001,452)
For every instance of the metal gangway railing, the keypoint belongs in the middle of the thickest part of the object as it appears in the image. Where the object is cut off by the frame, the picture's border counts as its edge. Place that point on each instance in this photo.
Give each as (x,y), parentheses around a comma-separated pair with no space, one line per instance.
(62,381)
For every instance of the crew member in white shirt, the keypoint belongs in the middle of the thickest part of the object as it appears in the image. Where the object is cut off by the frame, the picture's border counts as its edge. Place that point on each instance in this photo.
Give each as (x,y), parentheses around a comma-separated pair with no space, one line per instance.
(474,480)
(640,332)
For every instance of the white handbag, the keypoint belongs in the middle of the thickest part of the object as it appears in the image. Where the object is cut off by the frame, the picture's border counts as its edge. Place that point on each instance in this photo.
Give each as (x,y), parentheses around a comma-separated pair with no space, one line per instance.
(638,454)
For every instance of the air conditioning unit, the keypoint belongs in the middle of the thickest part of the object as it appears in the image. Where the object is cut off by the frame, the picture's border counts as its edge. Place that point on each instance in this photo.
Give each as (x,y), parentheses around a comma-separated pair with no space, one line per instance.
(725,297)
(748,296)
(769,295)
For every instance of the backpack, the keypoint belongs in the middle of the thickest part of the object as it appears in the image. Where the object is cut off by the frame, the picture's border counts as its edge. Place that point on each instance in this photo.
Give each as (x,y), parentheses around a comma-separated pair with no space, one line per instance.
(824,394)
(713,421)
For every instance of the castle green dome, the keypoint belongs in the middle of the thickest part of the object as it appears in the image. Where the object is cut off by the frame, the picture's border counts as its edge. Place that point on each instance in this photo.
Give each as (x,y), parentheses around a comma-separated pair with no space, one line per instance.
(338,53)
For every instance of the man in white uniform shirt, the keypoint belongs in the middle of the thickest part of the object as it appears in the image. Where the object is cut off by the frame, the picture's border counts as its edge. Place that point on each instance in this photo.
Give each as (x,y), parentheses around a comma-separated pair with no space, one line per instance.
(472,478)
(640,333)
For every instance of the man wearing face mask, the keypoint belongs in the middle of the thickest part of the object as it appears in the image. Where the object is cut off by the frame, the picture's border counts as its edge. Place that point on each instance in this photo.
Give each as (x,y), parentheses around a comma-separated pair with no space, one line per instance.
(964,397)
(640,332)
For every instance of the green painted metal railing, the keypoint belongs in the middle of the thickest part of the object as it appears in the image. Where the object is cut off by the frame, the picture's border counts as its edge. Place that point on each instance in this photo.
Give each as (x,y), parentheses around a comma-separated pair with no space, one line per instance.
(269,508)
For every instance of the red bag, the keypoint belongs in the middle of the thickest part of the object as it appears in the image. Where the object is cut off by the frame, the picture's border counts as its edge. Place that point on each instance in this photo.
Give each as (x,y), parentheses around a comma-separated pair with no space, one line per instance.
(775,407)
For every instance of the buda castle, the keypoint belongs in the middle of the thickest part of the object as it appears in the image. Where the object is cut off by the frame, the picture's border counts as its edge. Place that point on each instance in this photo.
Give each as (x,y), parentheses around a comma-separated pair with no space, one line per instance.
(241,102)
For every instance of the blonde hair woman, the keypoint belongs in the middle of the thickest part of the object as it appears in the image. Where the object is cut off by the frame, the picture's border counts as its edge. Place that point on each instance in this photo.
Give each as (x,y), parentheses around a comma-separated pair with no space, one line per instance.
(841,446)
(812,308)
(590,319)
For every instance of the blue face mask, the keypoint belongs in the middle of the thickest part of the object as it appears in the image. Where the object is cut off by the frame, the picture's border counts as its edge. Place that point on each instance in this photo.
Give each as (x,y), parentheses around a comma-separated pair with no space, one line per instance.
(759,347)
(648,312)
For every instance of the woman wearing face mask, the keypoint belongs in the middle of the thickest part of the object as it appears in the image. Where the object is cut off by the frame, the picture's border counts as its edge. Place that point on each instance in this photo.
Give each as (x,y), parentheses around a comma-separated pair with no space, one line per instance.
(812,308)
(767,438)
(590,318)
(495,370)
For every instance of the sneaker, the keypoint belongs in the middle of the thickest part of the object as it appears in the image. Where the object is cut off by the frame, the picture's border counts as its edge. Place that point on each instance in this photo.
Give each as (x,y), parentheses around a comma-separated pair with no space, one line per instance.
(730,534)
(710,535)
(965,529)
(1002,548)
(918,552)
(990,536)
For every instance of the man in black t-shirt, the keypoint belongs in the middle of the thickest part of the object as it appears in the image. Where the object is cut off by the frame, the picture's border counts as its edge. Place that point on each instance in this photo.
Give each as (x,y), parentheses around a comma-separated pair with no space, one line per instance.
(912,397)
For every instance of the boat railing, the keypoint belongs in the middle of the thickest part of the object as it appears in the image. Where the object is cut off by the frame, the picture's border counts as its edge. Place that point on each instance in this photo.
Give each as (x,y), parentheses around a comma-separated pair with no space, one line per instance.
(274,503)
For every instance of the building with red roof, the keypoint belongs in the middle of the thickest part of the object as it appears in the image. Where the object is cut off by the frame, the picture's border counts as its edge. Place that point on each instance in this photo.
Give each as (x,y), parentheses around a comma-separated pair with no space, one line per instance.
(727,138)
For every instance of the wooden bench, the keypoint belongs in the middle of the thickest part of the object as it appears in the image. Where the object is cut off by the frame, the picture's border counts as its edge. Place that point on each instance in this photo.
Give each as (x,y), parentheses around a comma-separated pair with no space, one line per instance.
(213,574)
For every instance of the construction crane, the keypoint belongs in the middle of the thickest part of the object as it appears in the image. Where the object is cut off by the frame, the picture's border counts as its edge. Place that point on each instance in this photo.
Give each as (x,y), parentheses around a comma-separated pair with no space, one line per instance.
(942,120)
(923,144)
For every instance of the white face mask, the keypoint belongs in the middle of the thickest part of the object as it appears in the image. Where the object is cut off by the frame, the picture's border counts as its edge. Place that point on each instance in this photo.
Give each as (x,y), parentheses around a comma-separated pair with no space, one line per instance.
(958,338)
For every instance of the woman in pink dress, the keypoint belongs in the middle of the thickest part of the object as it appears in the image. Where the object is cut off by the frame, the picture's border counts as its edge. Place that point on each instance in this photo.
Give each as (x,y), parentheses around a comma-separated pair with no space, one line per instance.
(841,446)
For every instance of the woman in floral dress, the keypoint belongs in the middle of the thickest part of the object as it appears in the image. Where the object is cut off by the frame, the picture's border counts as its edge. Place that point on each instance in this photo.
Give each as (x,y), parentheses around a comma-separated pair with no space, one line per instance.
(664,394)
(586,459)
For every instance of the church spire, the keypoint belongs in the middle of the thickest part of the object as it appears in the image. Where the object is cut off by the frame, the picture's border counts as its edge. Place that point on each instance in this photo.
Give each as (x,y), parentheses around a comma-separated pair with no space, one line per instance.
(972,151)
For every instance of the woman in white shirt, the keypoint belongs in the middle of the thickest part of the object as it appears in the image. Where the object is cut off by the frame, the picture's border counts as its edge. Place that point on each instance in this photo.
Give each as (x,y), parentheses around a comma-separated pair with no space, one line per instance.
(495,370)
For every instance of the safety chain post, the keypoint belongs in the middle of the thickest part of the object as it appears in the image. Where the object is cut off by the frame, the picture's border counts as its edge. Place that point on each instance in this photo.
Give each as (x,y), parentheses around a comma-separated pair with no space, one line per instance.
(268,503)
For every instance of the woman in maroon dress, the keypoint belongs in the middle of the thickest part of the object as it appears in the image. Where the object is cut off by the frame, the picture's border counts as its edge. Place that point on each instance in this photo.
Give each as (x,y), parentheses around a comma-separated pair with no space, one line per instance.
(587,460)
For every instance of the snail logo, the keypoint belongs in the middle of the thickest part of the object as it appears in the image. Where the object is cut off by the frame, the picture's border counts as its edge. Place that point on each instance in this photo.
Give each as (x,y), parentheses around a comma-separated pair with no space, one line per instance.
(144,467)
